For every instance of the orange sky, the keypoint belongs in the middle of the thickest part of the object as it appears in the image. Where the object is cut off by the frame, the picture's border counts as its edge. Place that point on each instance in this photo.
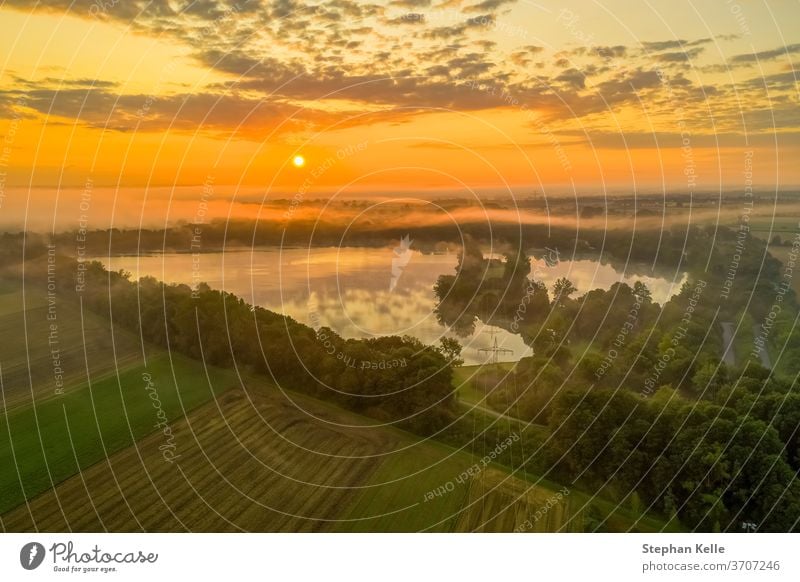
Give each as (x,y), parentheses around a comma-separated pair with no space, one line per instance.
(406,96)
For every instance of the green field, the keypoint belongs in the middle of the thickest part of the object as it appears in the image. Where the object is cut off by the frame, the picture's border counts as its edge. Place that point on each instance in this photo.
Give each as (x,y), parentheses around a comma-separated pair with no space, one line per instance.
(247,462)
(253,461)
(465,380)
(43,444)
(81,345)
(397,500)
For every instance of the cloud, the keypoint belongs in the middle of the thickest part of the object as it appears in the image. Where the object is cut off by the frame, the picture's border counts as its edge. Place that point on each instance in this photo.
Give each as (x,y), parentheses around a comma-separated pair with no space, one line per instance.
(765,55)
(55,82)
(411,4)
(521,58)
(524,57)
(621,87)
(481,20)
(281,54)
(786,81)
(460,29)
(283,8)
(674,140)
(488,5)
(220,113)
(573,77)
(771,116)
(445,32)
(678,57)
(663,45)
(408,18)
(610,52)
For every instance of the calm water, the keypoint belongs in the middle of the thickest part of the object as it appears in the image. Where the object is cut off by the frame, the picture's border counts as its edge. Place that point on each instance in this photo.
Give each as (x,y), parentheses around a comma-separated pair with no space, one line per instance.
(347,289)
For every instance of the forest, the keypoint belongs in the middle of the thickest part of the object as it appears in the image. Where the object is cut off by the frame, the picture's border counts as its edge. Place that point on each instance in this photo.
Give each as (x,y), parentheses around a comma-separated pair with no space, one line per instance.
(636,395)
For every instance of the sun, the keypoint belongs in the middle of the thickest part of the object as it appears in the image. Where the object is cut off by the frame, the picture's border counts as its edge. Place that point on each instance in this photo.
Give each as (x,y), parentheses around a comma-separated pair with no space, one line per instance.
(299,161)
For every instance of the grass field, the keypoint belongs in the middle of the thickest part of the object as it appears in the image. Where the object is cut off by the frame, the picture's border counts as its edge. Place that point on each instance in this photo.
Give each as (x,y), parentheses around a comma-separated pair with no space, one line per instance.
(246,463)
(33,352)
(464,378)
(253,461)
(399,498)
(43,444)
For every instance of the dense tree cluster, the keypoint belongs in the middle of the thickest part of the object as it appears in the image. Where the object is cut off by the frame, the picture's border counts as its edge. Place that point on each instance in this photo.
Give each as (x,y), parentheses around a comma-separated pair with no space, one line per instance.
(711,466)
(620,334)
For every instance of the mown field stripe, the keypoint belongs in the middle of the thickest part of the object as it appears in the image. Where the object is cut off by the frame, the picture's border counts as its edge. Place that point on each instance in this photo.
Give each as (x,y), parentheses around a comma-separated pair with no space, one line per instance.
(116,413)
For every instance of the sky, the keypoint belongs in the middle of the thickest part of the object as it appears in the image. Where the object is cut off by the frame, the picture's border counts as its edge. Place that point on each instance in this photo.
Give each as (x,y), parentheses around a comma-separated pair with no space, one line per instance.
(124,101)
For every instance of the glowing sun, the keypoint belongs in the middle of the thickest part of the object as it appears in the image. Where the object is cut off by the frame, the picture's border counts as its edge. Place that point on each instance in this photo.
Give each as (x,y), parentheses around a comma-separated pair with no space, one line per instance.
(299,161)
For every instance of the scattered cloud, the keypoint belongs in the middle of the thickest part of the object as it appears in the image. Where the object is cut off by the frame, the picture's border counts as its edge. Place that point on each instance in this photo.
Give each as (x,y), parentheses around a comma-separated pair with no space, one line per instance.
(397,59)
(679,56)
(408,18)
(610,52)
(411,4)
(488,5)
(767,55)
(663,45)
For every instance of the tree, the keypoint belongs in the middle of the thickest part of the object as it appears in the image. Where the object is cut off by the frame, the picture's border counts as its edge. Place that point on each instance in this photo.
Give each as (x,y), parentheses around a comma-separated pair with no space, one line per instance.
(470,259)
(516,269)
(708,380)
(451,350)
(641,291)
(562,289)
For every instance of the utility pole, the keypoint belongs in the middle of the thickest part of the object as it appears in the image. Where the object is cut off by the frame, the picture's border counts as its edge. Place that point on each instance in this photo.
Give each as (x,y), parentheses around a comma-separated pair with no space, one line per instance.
(495,350)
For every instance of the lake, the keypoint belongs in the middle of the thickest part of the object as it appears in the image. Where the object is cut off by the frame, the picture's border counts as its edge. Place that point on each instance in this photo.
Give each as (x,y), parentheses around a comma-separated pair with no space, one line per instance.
(347,289)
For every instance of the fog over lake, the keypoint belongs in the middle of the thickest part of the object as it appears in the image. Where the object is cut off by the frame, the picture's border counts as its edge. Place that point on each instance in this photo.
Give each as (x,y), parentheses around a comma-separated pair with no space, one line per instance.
(347,289)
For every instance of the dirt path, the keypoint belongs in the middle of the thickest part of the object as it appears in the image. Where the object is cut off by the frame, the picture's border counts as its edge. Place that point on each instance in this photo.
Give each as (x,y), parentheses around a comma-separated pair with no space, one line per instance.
(493,413)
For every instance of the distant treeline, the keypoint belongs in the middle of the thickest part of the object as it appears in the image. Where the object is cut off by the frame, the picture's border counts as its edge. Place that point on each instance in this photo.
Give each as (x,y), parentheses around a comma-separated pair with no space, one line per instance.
(665,250)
